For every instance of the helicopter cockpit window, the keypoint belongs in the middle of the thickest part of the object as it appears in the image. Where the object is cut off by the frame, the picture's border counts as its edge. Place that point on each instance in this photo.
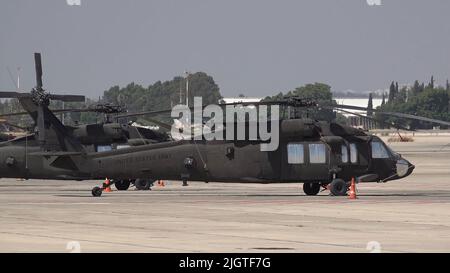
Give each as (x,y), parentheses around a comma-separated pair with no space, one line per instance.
(104,148)
(378,150)
(353,153)
(344,154)
(317,153)
(295,153)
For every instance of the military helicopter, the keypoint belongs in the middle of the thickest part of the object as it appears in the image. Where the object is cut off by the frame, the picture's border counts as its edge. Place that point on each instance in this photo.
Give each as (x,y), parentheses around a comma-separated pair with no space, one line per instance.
(315,153)
(89,137)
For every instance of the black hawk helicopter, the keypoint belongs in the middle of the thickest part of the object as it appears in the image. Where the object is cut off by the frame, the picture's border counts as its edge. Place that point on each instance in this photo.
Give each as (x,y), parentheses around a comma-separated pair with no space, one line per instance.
(315,153)
(48,130)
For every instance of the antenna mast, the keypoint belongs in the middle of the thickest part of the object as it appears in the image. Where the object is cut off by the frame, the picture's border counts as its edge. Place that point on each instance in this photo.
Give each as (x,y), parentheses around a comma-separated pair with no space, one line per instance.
(18,78)
(187,87)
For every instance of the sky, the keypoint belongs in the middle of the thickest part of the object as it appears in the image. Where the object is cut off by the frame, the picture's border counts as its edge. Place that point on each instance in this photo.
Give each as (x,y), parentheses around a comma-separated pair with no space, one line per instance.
(253,47)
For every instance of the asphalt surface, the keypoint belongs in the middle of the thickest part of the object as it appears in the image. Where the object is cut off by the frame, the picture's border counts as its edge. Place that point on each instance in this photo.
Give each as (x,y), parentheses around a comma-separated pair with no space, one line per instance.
(409,215)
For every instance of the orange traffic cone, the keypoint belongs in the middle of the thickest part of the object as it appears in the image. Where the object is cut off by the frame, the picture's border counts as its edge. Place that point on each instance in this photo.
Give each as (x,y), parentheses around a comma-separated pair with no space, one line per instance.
(352,193)
(107,186)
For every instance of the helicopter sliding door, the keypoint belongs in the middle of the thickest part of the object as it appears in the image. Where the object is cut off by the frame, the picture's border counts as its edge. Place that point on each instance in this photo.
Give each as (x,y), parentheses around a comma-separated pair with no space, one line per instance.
(306,161)
(354,158)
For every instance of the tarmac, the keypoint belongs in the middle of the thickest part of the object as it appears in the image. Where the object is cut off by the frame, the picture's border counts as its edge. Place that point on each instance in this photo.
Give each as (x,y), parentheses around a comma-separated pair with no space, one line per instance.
(408,215)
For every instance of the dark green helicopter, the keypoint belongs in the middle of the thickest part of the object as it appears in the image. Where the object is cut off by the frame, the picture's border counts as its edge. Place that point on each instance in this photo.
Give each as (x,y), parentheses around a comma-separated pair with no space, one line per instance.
(315,153)
(92,137)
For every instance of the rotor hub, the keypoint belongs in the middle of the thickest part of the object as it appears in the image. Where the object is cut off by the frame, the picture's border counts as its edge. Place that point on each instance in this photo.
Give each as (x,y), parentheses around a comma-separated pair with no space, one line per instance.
(40,97)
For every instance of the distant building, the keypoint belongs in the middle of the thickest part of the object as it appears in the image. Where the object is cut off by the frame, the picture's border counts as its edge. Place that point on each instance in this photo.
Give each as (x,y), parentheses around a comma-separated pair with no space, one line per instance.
(357,121)
(240,99)
(354,120)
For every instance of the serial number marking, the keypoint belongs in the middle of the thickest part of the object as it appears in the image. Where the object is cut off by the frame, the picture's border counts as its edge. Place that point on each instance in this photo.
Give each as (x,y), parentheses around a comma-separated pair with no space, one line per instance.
(138,159)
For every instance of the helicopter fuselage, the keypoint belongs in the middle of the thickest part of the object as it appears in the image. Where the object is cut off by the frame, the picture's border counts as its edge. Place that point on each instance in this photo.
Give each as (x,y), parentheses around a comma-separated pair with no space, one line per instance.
(299,158)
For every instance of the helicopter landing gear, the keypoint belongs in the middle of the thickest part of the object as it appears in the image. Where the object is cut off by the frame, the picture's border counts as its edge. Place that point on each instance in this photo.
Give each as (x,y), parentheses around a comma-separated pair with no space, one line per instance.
(97,191)
(311,188)
(338,187)
(122,185)
(143,184)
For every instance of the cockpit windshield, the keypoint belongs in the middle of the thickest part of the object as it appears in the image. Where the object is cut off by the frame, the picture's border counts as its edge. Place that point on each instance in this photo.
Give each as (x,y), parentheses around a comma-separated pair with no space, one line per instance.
(379,150)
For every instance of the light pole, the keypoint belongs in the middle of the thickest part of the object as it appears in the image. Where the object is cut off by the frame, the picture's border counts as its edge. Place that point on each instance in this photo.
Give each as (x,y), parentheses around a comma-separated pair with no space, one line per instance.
(187,87)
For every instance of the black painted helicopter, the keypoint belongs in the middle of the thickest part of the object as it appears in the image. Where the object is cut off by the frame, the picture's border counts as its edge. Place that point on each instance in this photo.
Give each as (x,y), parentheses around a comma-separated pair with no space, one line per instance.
(315,153)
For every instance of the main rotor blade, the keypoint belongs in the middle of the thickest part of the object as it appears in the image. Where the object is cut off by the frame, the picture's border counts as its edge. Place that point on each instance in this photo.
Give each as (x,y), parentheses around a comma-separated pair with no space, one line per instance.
(68,110)
(160,124)
(349,107)
(54,111)
(12,94)
(296,102)
(408,116)
(41,124)
(156,112)
(15,126)
(68,98)
(395,114)
(292,101)
(376,120)
(143,113)
(38,67)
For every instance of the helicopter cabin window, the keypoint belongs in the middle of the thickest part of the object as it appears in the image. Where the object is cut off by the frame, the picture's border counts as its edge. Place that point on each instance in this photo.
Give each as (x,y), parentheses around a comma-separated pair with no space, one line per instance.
(104,148)
(378,150)
(317,153)
(295,153)
(344,154)
(353,153)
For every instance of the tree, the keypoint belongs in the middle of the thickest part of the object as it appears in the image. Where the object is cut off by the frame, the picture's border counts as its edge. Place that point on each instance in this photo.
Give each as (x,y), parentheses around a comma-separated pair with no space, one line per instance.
(429,101)
(317,92)
(163,95)
(416,88)
(402,95)
(431,84)
(391,97)
(383,100)
(370,106)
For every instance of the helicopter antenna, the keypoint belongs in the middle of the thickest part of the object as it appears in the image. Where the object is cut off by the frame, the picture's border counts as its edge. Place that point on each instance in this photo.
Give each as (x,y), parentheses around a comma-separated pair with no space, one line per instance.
(12,78)
(18,77)
(181,94)
(187,87)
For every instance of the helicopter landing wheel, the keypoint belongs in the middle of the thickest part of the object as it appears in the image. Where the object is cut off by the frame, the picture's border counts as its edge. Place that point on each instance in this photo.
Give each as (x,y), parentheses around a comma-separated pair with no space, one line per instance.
(143,184)
(122,185)
(338,187)
(97,192)
(311,188)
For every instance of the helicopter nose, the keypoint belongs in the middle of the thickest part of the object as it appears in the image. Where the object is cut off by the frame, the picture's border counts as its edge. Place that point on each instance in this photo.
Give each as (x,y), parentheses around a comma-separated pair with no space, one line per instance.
(404,168)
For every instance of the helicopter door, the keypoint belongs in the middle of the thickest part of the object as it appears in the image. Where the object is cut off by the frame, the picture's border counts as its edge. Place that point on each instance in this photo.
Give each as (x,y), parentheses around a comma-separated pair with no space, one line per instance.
(306,162)
(293,165)
(318,163)
(356,159)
